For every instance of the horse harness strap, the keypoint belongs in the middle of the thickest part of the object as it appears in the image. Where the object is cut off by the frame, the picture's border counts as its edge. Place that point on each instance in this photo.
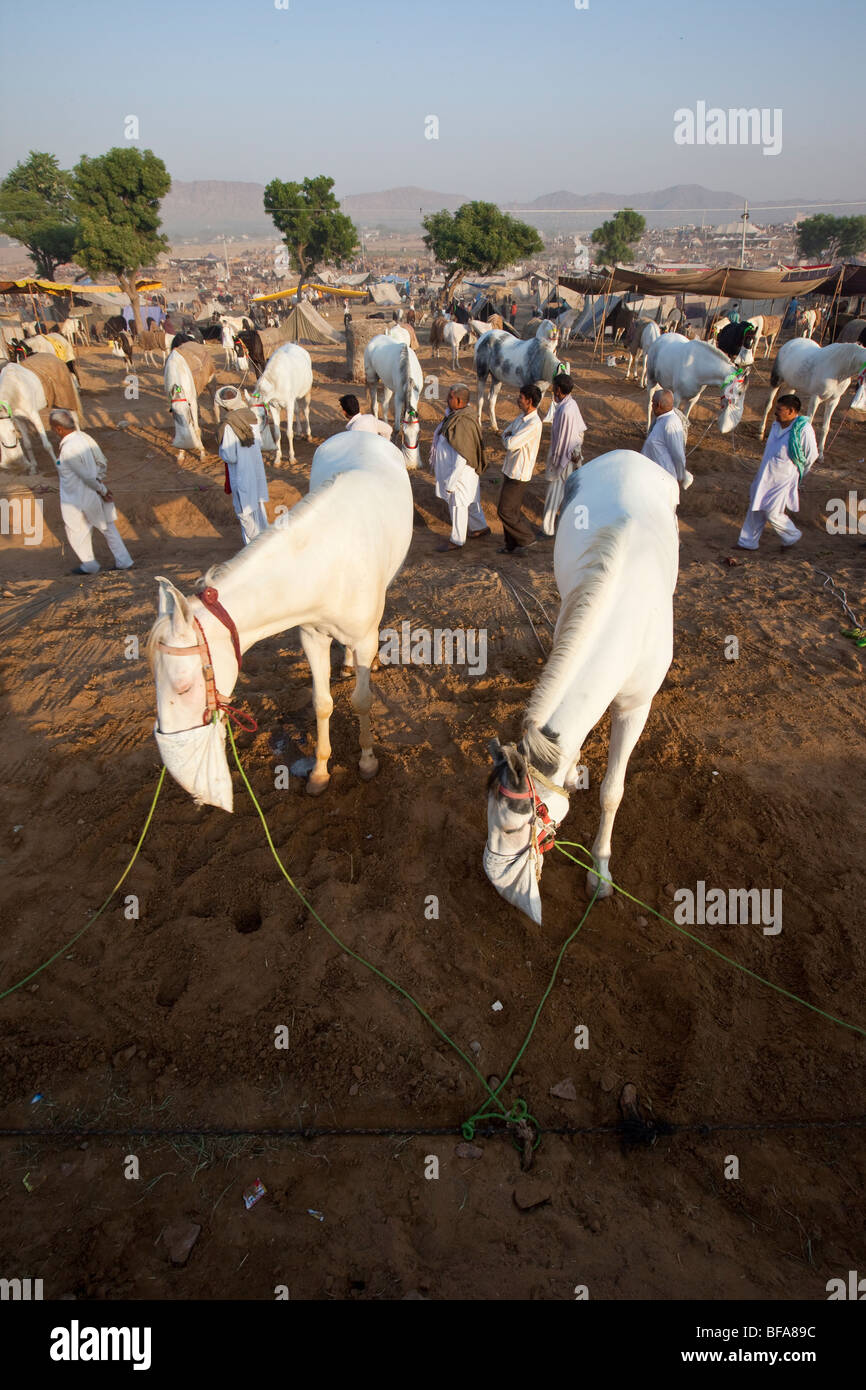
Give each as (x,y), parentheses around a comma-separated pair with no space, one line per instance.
(215,701)
(544,839)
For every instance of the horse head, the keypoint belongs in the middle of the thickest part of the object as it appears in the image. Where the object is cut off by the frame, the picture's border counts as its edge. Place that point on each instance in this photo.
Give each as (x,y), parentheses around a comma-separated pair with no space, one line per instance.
(410,432)
(268,416)
(733,399)
(189,734)
(11,452)
(186,435)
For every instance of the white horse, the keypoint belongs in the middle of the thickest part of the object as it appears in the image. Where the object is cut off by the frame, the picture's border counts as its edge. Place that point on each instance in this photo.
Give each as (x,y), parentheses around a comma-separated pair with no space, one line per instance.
(548,332)
(686,367)
(453,334)
(188,369)
(11,454)
(25,395)
(641,346)
(397,368)
(817,375)
(286,380)
(326,567)
(399,333)
(612,647)
(807,320)
(517,362)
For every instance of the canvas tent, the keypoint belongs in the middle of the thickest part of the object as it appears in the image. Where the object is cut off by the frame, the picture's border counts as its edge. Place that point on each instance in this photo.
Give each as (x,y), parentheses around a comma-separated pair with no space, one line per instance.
(385,293)
(305,325)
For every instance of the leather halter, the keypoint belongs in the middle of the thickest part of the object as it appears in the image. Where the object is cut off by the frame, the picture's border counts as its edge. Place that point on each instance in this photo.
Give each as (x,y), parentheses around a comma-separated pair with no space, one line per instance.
(215,701)
(544,840)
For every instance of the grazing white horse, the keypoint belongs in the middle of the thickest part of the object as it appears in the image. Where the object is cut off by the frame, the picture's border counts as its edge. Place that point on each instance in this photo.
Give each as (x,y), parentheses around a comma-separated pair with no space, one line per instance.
(817,374)
(397,368)
(612,647)
(188,369)
(686,367)
(326,567)
(287,379)
(517,362)
(648,335)
(453,334)
(25,395)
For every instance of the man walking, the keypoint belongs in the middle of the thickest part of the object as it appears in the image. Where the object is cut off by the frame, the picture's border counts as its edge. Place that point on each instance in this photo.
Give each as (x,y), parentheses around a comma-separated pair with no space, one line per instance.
(790,452)
(85,501)
(457,459)
(666,442)
(521,439)
(240,448)
(566,448)
(369,424)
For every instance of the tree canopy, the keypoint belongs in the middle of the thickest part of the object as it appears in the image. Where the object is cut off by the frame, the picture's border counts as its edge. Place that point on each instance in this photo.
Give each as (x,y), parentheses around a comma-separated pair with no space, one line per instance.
(36,208)
(616,238)
(824,235)
(117,197)
(308,217)
(479,238)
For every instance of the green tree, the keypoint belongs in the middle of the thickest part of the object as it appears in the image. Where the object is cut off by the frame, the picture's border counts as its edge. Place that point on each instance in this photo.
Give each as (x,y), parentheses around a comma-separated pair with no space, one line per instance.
(314,230)
(616,238)
(117,197)
(825,235)
(36,209)
(478,238)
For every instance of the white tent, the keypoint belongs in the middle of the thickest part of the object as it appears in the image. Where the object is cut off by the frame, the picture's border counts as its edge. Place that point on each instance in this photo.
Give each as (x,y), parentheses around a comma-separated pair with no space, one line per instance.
(385,293)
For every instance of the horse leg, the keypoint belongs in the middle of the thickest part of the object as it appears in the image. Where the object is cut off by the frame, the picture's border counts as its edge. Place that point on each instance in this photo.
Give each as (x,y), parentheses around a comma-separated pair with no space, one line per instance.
(651,387)
(491,402)
(774,391)
(626,728)
(306,400)
(693,402)
(387,395)
(373,397)
(46,442)
(290,427)
(317,649)
(830,406)
(274,411)
(482,387)
(362,700)
(25,444)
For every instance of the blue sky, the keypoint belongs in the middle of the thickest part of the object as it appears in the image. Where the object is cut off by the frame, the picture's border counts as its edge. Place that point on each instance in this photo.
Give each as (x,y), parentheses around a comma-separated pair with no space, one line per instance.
(530,96)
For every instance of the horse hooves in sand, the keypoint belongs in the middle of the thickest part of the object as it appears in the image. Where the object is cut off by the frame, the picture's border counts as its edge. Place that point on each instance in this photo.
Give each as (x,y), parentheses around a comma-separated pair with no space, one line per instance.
(368,767)
(316,785)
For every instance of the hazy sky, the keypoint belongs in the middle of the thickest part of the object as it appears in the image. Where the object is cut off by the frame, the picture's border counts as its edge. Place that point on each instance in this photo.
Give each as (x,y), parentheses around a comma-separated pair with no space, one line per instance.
(531,95)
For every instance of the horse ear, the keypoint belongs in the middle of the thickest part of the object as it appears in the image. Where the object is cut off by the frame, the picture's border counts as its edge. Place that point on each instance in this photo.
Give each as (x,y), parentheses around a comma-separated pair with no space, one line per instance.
(496,751)
(172,602)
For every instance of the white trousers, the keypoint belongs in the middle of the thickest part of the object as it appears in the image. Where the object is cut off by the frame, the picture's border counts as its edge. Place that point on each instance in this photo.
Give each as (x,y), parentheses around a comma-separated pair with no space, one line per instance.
(553,501)
(253,520)
(79,532)
(755,522)
(462,514)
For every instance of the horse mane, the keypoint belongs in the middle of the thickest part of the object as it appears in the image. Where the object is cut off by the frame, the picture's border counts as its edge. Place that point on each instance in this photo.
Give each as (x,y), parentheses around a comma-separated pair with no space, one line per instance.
(578,613)
(404,377)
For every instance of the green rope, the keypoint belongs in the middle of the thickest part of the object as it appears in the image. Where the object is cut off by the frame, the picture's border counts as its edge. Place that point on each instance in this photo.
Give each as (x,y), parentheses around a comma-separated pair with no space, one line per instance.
(854,1027)
(98,914)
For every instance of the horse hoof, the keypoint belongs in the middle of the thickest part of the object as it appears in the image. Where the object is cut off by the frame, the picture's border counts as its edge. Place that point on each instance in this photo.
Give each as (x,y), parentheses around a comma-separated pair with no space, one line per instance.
(368,768)
(346,672)
(605,890)
(316,785)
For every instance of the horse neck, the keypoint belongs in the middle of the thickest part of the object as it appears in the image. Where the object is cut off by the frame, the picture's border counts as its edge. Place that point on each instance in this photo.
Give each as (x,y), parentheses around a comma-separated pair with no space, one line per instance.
(849,359)
(713,357)
(269,588)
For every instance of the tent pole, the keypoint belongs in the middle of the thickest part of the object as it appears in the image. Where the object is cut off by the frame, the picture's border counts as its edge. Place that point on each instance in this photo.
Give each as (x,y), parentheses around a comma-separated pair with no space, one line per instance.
(834,300)
(600,339)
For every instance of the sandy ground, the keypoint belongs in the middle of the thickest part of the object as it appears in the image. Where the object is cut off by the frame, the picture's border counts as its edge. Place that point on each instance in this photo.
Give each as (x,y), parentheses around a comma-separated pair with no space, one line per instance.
(750,773)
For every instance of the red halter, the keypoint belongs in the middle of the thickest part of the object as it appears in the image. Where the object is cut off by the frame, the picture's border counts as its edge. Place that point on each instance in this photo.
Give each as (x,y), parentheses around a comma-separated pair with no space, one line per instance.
(545,840)
(215,701)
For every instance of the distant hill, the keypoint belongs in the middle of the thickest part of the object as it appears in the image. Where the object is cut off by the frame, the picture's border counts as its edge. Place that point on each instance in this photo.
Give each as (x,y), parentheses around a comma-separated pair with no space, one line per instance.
(681,195)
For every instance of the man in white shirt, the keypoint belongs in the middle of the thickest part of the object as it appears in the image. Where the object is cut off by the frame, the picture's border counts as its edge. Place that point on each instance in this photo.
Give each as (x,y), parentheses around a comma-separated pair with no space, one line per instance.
(566,448)
(85,501)
(240,448)
(790,452)
(351,408)
(521,439)
(666,442)
(457,460)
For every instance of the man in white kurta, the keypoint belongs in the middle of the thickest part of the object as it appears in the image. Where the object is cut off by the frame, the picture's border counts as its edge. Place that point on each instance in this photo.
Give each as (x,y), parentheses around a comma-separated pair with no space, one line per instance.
(356,420)
(666,442)
(566,449)
(790,452)
(458,481)
(85,501)
(240,449)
